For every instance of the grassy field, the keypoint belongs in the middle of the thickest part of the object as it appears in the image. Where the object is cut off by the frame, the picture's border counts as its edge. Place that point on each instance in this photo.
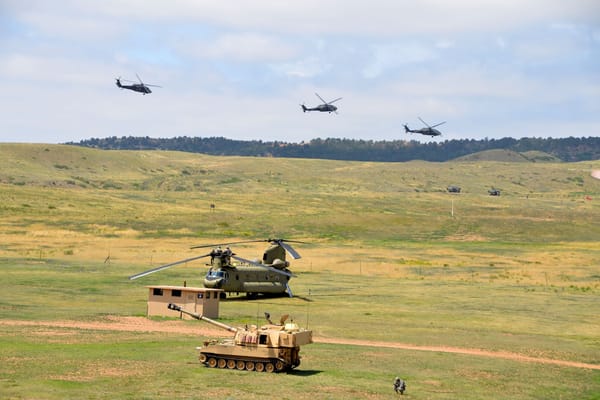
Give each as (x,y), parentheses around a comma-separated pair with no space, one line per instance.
(392,258)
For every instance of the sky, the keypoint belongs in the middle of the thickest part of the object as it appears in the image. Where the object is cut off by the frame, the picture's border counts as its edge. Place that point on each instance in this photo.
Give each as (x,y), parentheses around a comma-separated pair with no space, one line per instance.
(240,69)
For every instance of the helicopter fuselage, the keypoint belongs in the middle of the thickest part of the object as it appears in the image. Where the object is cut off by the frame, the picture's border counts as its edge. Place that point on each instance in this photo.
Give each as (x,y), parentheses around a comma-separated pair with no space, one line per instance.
(427,132)
(136,87)
(322,108)
(246,279)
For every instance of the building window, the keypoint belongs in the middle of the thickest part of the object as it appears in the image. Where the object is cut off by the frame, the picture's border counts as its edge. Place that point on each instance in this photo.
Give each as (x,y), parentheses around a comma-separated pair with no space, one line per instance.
(208,295)
(157,292)
(200,295)
(176,293)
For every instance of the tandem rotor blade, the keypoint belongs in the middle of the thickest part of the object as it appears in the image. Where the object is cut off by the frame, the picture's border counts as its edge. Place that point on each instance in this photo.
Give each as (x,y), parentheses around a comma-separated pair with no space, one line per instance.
(290,250)
(278,271)
(224,244)
(153,270)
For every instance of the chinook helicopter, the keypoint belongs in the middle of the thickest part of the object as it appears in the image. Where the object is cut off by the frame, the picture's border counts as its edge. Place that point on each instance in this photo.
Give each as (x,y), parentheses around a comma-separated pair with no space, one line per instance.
(268,277)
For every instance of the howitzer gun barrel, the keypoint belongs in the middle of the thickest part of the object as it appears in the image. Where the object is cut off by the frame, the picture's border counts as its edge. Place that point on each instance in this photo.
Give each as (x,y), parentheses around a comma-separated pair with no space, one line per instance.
(201,317)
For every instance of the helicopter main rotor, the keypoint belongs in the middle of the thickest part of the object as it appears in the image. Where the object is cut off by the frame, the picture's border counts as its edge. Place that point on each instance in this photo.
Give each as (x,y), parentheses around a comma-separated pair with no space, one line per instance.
(157,269)
(429,126)
(281,242)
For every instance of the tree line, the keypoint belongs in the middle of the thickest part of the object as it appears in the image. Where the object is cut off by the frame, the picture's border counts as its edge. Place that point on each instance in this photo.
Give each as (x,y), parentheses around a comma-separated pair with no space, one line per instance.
(569,149)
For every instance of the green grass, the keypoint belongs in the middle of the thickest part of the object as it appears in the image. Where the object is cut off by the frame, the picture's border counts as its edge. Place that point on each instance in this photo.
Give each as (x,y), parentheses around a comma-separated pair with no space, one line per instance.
(53,362)
(386,261)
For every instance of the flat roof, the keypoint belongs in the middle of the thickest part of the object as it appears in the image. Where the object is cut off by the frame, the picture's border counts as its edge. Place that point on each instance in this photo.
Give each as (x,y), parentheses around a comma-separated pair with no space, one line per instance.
(184,288)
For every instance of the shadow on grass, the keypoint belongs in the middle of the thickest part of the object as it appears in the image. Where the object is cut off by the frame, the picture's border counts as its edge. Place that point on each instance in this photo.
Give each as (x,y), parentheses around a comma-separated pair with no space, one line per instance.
(261,297)
(305,372)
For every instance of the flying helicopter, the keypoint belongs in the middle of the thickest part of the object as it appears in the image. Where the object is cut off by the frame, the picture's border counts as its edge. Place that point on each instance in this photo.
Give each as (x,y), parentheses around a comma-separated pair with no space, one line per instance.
(327,106)
(268,277)
(136,87)
(429,131)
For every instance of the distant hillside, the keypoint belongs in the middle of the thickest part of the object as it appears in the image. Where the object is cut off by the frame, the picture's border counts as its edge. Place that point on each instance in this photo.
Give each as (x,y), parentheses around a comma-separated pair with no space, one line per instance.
(566,149)
(505,155)
(168,194)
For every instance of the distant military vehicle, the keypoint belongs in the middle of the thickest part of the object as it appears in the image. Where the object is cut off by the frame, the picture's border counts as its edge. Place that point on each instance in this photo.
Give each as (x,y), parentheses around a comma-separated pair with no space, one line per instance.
(494,192)
(270,348)
(268,277)
(453,189)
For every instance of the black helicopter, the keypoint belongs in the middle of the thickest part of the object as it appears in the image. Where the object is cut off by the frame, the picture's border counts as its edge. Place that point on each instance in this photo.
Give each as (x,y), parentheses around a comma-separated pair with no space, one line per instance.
(327,106)
(268,277)
(429,131)
(136,87)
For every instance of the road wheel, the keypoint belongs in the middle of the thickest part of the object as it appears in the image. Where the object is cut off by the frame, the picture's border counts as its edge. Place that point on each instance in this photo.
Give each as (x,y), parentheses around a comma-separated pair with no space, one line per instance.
(260,367)
(279,365)
(231,364)
(202,358)
(250,365)
(240,365)
(222,363)
(212,362)
(269,367)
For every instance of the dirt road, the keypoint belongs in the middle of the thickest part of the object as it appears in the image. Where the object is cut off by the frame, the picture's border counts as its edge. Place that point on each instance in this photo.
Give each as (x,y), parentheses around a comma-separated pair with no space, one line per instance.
(140,324)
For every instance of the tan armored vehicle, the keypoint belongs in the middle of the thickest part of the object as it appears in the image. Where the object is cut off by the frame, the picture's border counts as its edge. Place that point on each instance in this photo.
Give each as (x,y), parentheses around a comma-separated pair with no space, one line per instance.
(270,348)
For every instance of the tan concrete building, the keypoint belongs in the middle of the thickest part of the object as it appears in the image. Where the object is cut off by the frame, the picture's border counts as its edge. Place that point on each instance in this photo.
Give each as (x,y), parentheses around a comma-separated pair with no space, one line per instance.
(202,301)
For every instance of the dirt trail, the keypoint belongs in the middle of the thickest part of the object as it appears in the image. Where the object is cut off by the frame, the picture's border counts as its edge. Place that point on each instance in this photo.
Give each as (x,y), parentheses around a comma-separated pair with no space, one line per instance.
(140,324)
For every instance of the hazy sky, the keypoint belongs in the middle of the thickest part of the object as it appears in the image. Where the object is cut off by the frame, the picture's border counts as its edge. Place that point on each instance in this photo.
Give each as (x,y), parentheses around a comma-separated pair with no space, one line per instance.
(241,69)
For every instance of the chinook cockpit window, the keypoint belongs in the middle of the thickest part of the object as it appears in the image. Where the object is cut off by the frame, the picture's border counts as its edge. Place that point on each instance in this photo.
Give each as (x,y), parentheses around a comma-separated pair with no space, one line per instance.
(211,275)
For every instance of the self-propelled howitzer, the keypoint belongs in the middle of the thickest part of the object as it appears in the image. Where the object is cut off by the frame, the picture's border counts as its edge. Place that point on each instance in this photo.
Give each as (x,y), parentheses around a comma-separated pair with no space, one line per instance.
(270,348)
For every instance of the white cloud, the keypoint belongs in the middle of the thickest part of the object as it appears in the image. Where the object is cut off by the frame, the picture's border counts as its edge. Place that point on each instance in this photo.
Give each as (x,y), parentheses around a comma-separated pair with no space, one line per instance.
(481,66)
(247,47)
(390,56)
(304,68)
(340,17)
